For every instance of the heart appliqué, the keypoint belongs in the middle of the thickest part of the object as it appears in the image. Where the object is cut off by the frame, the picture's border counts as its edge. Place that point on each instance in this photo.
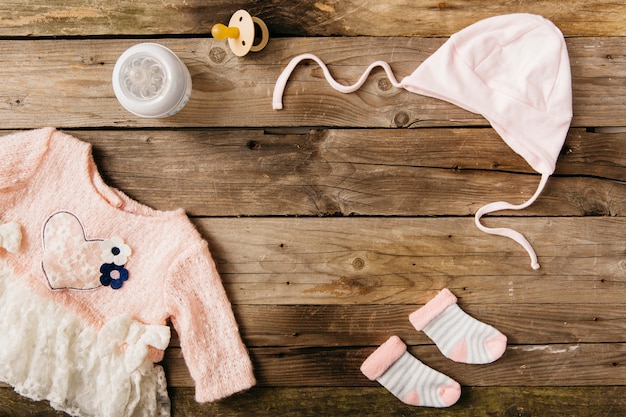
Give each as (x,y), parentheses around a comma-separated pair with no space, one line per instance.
(71,261)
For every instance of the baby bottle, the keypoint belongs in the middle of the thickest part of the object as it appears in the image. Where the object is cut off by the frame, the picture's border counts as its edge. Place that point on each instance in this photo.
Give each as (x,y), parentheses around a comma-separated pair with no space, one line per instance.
(149,80)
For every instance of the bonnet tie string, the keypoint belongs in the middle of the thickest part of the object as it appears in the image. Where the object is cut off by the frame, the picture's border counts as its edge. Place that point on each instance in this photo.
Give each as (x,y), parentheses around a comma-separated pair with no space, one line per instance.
(277,104)
(510,233)
(281,82)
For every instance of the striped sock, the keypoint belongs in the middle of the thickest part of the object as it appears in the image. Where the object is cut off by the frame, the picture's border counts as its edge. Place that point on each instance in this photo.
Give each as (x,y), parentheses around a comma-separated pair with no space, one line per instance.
(458,335)
(409,379)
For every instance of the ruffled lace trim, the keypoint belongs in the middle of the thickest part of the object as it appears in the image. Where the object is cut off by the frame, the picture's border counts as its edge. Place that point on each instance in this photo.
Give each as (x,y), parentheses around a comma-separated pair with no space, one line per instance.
(47,352)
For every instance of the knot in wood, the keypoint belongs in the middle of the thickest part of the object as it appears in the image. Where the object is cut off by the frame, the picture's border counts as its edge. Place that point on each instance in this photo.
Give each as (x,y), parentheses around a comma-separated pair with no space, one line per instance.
(217,54)
(253,145)
(401,118)
(384,84)
(517,411)
(358,263)
(87,59)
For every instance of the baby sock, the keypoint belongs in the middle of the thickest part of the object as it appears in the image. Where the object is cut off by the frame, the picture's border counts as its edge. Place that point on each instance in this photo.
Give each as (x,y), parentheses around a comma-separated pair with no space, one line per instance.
(409,379)
(458,336)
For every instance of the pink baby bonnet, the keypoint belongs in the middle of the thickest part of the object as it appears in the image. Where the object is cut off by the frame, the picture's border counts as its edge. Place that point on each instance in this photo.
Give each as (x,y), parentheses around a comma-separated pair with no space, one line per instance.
(514,71)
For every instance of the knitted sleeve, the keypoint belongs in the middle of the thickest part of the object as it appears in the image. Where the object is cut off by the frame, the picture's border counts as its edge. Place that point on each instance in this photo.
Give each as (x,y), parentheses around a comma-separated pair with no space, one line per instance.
(209,337)
(20,155)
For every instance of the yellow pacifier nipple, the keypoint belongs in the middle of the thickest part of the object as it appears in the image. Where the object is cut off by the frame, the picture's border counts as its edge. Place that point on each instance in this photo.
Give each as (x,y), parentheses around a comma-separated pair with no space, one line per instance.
(220,31)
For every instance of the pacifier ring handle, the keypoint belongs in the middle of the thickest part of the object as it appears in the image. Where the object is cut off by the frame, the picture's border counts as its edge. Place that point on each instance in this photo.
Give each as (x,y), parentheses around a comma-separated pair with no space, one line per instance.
(265,35)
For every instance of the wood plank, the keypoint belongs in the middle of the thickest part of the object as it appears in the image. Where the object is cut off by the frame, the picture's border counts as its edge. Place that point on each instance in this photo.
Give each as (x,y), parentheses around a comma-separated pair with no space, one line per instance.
(229,91)
(303,18)
(330,326)
(407,260)
(403,287)
(522,365)
(374,402)
(405,172)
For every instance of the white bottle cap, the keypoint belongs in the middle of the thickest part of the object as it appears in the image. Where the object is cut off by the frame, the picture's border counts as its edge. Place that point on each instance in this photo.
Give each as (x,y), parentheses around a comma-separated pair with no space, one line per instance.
(149,80)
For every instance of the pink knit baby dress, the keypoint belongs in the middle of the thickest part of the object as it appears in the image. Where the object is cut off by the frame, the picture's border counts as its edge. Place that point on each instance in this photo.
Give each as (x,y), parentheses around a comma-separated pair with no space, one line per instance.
(89,279)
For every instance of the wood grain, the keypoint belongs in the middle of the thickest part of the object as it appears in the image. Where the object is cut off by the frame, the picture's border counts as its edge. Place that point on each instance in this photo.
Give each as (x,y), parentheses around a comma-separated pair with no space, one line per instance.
(302,18)
(374,402)
(521,365)
(407,260)
(402,172)
(234,92)
(333,219)
(332,326)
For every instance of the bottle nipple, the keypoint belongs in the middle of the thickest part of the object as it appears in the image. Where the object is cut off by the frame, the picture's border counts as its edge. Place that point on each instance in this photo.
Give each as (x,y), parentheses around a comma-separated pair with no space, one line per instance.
(143,78)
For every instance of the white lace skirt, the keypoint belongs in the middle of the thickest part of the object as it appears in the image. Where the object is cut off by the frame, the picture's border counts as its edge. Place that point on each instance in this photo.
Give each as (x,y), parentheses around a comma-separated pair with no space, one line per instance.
(47,352)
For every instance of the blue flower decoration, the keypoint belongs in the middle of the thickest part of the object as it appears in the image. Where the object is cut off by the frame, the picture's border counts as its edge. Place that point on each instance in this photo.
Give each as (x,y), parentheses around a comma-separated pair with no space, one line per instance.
(113,275)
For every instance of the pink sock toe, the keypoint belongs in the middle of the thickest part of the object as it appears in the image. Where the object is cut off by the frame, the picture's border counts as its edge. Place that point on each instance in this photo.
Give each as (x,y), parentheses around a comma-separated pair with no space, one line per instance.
(496,346)
(450,394)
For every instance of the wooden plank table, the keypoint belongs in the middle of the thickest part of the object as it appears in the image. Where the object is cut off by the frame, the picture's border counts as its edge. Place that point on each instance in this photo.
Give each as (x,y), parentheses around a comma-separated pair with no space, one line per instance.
(334,218)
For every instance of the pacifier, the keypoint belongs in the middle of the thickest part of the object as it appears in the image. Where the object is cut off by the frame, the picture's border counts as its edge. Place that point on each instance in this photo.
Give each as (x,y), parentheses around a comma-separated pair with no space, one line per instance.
(241,33)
